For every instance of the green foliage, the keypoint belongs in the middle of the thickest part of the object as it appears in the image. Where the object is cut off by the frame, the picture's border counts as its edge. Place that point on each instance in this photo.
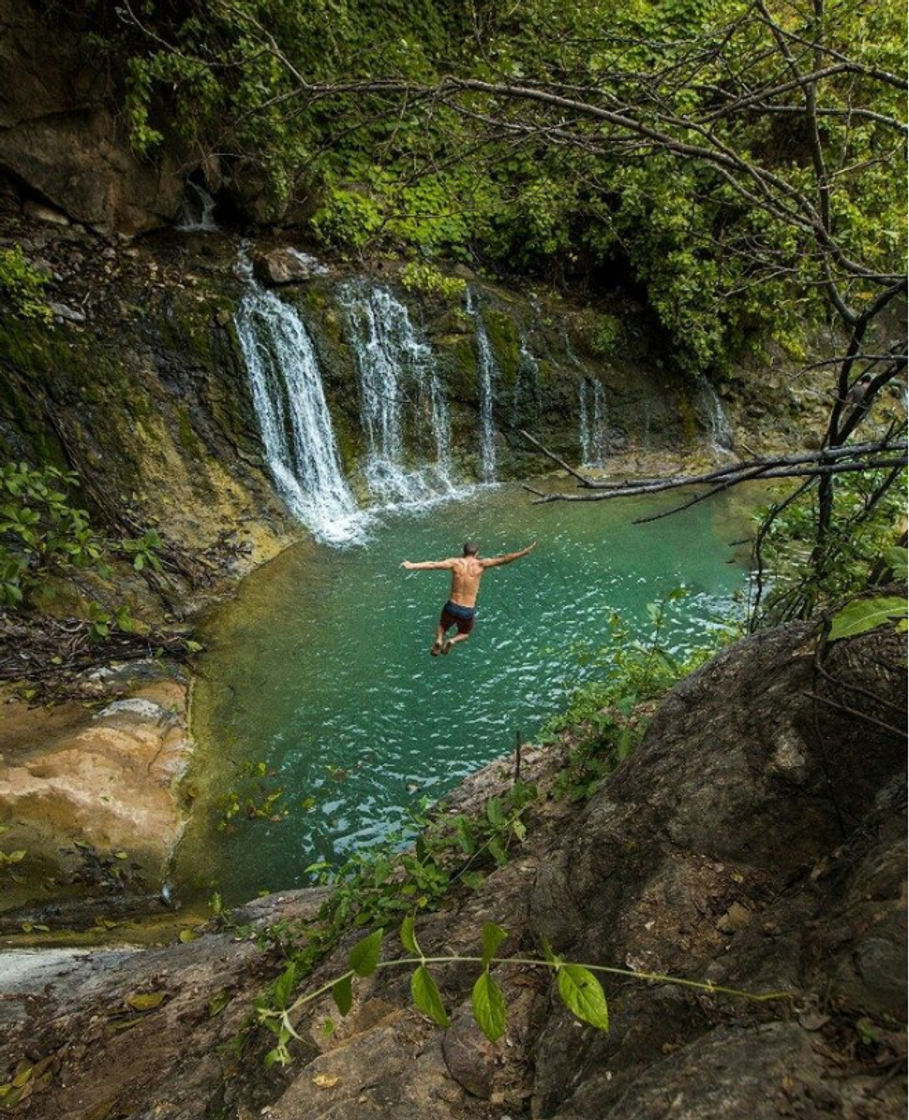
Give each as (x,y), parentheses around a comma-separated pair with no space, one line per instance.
(430,282)
(583,996)
(42,530)
(806,577)
(603,714)
(578,987)
(608,336)
(867,614)
(23,286)
(543,192)
(863,615)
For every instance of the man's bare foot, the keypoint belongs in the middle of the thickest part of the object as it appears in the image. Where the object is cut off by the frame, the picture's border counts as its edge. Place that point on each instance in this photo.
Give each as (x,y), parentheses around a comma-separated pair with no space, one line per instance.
(436,649)
(446,649)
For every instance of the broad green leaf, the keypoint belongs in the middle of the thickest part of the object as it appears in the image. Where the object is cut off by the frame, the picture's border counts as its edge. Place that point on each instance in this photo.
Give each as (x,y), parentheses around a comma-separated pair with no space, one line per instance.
(582,995)
(493,936)
(866,614)
(364,956)
(426,996)
(342,992)
(488,1007)
(409,937)
(284,985)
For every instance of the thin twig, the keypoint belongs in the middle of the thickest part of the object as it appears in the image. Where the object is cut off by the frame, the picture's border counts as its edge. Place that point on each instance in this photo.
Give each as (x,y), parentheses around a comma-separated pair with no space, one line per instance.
(897,731)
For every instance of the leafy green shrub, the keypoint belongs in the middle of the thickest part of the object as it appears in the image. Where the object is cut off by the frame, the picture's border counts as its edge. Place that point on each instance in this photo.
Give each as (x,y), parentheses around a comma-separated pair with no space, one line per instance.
(42,530)
(803,578)
(603,714)
(608,336)
(862,615)
(430,282)
(23,285)
(348,220)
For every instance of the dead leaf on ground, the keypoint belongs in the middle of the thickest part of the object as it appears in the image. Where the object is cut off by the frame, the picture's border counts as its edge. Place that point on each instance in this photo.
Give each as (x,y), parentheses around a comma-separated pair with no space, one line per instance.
(326,1081)
(145,1001)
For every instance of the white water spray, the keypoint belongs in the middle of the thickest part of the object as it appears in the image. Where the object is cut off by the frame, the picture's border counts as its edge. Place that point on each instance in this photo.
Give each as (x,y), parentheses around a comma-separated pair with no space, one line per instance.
(197,214)
(293,416)
(594,431)
(487,375)
(403,403)
(711,410)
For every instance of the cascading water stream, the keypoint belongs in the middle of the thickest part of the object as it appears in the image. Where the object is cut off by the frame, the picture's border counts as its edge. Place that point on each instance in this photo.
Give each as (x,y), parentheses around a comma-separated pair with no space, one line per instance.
(711,410)
(487,375)
(594,432)
(401,397)
(197,214)
(293,416)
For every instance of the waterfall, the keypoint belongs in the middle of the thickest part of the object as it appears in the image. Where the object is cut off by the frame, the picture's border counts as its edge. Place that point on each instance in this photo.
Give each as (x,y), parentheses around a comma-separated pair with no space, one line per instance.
(401,396)
(526,400)
(594,431)
(711,410)
(648,415)
(487,374)
(197,214)
(293,416)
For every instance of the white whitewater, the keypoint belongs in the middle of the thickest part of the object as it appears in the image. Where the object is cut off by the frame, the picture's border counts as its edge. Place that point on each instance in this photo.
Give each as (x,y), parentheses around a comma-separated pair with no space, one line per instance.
(487,375)
(403,405)
(711,410)
(594,431)
(293,416)
(197,214)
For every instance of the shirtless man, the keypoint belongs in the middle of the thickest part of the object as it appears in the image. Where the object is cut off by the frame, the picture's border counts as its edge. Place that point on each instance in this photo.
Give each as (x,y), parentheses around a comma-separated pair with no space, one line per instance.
(466,573)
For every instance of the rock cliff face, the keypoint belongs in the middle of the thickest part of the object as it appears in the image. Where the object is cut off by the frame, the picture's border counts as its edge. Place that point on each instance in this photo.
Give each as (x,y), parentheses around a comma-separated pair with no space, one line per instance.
(141,386)
(755,839)
(60,138)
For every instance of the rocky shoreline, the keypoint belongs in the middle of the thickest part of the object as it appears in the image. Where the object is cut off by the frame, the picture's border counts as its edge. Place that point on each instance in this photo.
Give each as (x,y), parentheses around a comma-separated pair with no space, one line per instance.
(755,840)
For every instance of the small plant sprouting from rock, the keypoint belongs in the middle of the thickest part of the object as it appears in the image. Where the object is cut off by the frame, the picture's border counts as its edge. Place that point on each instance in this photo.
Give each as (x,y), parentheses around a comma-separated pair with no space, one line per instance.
(430,282)
(23,285)
(578,987)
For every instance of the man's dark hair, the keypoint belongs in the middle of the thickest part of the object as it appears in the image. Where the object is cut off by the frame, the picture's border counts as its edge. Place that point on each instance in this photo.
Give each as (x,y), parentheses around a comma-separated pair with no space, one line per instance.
(471,548)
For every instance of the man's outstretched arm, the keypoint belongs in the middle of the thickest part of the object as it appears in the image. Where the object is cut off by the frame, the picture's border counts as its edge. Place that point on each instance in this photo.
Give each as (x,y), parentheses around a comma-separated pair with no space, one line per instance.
(508,558)
(426,565)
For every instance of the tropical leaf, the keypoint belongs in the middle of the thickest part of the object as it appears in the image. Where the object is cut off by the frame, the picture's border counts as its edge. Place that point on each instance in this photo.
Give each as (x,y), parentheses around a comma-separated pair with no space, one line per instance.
(866,614)
(409,937)
(493,936)
(284,985)
(488,1007)
(583,996)
(426,996)
(364,956)
(342,991)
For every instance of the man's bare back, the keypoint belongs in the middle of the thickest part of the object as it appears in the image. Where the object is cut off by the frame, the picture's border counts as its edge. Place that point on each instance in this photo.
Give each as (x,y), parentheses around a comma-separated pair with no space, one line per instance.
(466,573)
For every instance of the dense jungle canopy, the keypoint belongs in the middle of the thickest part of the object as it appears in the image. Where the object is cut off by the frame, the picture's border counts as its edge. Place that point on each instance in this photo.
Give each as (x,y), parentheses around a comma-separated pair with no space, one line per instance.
(738,161)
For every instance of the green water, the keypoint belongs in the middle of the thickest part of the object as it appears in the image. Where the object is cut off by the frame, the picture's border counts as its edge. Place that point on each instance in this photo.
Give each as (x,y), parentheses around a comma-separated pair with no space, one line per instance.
(320,667)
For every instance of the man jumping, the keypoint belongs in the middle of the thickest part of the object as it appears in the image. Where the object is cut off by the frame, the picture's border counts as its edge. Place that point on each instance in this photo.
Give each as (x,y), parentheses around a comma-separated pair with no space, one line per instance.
(466,573)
